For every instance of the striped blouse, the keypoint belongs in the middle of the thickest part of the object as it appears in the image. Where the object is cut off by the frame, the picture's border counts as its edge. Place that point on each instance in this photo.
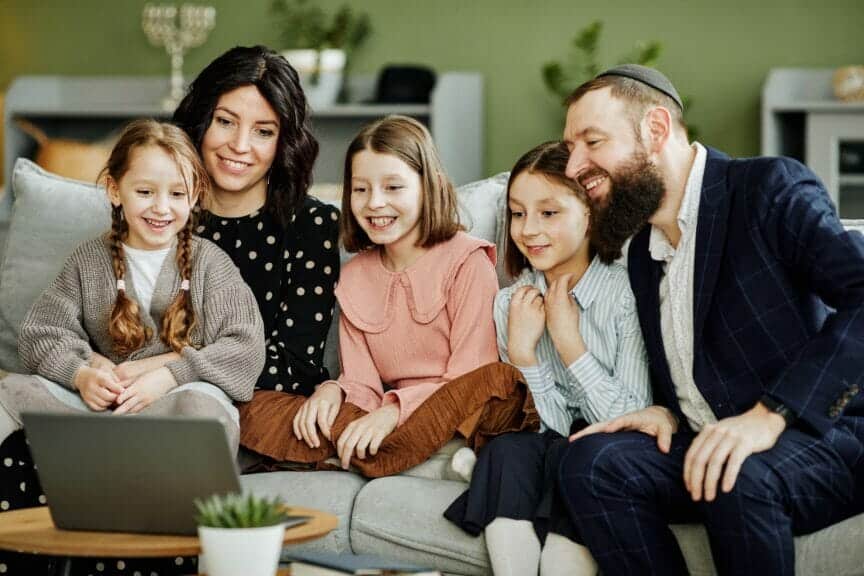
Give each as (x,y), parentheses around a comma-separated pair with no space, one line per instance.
(612,377)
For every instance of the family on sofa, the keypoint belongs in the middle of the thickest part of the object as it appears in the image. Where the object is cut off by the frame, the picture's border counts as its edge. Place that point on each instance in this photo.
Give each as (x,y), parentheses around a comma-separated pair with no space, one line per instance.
(715,379)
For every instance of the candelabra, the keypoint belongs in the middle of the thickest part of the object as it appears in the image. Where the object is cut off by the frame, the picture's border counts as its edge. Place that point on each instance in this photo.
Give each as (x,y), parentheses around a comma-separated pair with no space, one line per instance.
(160,24)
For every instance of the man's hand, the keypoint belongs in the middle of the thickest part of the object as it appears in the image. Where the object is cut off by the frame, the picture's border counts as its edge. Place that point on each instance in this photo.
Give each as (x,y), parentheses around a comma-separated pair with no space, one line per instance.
(727,444)
(526,321)
(318,411)
(562,318)
(655,421)
(367,432)
(98,388)
(145,390)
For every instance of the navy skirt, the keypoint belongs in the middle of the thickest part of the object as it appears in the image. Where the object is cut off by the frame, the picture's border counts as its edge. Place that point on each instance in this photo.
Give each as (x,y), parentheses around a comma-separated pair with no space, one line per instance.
(516,476)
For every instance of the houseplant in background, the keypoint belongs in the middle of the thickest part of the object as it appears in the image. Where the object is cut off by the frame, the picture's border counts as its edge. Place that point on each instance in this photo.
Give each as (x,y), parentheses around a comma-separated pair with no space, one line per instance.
(241,534)
(317,44)
(563,78)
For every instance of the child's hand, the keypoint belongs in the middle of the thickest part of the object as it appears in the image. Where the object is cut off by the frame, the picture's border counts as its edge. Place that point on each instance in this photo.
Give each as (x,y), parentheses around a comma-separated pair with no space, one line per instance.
(525,324)
(101,362)
(98,388)
(133,368)
(319,411)
(367,432)
(562,318)
(144,390)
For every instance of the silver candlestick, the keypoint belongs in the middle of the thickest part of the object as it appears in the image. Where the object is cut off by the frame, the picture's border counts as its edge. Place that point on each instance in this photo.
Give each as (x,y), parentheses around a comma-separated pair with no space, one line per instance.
(159,22)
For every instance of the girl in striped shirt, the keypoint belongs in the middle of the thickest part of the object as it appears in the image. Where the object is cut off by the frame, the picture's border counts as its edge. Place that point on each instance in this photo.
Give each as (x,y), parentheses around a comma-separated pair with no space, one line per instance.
(569,324)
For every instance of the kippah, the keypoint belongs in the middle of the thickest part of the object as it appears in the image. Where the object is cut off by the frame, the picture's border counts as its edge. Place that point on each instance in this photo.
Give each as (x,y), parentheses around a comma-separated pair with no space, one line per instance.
(649,76)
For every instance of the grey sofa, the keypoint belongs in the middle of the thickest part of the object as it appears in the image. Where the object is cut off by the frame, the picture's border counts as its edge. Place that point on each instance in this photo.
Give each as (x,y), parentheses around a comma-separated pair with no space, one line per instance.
(399,516)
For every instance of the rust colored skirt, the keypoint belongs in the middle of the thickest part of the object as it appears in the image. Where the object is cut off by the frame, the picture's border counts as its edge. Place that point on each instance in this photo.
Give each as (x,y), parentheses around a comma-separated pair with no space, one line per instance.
(479,405)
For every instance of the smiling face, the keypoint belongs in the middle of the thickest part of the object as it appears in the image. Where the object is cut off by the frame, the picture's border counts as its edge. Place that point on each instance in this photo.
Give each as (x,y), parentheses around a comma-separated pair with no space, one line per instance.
(548,224)
(154,197)
(609,159)
(602,139)
(386,200)
(240,145)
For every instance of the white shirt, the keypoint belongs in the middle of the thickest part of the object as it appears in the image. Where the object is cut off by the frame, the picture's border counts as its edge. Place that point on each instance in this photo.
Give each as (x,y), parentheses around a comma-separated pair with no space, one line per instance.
(143,268)
(676,297)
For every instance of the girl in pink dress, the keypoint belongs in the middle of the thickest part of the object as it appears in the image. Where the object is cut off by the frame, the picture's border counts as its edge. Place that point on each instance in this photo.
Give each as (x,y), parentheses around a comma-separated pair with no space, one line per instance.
(416,333)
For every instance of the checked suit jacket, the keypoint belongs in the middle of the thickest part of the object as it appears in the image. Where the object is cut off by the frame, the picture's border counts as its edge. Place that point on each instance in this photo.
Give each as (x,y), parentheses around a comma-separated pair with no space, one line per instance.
(778,299)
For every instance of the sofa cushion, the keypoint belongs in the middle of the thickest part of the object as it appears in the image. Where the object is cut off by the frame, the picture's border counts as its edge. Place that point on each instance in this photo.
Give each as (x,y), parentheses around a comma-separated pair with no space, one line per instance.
(51,215)
(392,521)
(482,212)
(332,492)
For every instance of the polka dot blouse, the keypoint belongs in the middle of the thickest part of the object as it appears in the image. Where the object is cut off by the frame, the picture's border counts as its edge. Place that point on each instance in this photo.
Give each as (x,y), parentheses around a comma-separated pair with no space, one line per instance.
(292,273)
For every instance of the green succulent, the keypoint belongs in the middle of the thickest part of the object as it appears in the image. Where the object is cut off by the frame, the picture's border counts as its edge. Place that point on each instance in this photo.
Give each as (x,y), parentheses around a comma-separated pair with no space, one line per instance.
(303,24)
(239,511)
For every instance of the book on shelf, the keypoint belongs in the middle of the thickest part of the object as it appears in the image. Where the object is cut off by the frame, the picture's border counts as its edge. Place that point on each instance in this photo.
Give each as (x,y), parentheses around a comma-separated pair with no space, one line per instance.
(332,564)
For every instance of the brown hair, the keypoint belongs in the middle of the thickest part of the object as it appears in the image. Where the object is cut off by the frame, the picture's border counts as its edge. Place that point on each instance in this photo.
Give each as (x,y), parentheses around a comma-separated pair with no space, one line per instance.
(410,141)
(639,95)
(549,160)
(126,328)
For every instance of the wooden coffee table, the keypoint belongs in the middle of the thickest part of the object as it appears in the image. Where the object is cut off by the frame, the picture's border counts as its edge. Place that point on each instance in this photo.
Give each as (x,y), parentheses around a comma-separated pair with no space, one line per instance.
(31,531)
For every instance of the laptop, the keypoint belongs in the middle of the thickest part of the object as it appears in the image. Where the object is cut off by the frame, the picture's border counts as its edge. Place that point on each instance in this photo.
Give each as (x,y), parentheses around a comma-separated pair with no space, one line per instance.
(129,473)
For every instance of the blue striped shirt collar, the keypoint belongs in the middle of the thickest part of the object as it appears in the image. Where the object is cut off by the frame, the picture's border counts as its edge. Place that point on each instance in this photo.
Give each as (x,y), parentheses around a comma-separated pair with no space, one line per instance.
(586,289)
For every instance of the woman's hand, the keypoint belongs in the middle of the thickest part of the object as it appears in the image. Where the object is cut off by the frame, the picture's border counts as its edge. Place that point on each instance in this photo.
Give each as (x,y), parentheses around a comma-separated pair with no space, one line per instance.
(367,433)
(562,319)
(98,388)
(144,390)
(319,411)
(525,324)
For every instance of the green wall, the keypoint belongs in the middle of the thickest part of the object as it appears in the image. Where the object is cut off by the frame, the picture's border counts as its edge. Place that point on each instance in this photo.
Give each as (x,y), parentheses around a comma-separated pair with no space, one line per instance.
(716,52)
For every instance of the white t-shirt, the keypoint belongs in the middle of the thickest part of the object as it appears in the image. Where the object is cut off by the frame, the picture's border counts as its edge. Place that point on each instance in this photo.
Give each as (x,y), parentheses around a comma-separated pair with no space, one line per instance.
(143,268)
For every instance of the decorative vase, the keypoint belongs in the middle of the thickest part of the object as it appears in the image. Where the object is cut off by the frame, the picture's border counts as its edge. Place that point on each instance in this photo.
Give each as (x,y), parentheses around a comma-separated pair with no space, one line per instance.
(849,83)
(321,74)
(246,551)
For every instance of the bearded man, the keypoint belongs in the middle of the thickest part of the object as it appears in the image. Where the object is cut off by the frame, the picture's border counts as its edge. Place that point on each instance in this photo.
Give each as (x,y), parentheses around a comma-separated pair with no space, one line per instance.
(750,296)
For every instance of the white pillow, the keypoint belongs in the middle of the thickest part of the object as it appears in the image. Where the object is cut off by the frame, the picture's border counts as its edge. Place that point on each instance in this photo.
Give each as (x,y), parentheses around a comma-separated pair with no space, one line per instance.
(51,216)
(482,206)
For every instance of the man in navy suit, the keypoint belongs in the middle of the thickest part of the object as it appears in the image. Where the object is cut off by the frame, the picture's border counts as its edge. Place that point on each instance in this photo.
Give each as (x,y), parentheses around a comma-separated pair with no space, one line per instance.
(750,296)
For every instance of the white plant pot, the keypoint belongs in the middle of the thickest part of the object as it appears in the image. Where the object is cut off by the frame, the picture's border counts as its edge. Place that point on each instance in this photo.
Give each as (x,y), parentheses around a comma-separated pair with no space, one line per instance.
(241,551)
(322,91)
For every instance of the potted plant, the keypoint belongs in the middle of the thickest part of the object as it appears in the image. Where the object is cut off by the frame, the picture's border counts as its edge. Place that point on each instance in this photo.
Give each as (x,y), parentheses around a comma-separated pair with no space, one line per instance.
(240,534)
(317,44)
(562,79)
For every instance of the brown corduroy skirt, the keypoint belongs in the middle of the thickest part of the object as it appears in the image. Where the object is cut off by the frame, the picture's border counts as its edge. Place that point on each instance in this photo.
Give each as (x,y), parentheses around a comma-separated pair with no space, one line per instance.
(479,405)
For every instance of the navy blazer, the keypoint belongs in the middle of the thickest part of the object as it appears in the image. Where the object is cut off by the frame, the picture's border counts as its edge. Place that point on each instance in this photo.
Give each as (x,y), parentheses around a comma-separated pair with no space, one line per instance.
(778,297)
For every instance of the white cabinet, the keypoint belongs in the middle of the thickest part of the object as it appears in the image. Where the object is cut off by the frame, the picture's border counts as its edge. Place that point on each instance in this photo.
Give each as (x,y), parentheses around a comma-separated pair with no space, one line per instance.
(89,108)
(802,119)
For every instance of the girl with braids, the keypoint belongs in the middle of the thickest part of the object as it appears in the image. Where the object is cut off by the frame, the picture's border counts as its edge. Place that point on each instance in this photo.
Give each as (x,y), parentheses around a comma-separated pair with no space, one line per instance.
(247,115)
(147,318)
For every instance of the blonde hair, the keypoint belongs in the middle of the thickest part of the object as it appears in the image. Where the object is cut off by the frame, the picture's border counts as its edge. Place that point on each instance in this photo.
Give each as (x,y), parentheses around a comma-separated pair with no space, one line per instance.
(127,330)
(410,141)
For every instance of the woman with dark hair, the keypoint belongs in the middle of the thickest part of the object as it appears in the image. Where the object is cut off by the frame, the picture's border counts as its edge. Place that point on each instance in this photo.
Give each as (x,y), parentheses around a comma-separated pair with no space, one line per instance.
(247,115)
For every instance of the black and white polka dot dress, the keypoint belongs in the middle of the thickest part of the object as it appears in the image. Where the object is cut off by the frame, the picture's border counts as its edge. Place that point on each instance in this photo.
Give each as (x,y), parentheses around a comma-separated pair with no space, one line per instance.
(292,273)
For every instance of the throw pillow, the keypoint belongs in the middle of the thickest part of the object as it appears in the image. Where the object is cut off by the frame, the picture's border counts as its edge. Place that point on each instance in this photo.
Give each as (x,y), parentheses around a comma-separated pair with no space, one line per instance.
(51,216)
(482,210)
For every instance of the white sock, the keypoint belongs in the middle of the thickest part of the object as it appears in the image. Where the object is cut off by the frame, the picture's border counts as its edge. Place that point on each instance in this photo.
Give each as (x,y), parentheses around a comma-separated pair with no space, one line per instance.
(563,557)
(514,549)
(462,463)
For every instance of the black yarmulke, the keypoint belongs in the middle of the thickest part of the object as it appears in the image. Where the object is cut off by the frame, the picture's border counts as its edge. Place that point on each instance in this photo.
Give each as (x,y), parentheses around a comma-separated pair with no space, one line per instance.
(650,76)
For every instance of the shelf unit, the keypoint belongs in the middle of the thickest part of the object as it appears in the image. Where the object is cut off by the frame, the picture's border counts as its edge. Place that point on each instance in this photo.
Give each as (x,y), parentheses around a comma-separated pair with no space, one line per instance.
(802,119)
(92,108)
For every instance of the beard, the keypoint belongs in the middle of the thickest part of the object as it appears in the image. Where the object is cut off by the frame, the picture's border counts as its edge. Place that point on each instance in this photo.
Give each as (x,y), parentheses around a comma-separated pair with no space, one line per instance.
(635,193)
